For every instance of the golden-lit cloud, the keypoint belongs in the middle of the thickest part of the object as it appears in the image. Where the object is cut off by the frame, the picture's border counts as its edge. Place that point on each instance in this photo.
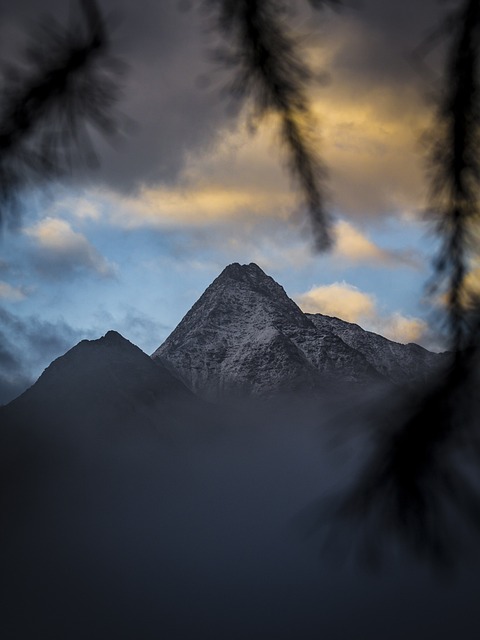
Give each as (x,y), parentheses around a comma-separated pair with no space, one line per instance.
(371,124)
(351,244)
(197,206)
(340,300)
(60,249)
(347,302)
(236,178)
(371,151)
(402,329)
(367,130)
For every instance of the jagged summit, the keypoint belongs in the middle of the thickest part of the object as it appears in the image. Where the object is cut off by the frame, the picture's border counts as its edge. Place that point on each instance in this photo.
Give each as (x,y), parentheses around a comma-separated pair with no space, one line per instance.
(250,274)
(235,269)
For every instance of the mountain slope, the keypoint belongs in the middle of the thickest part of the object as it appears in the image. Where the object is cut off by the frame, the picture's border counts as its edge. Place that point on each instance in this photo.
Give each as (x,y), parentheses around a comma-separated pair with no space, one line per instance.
(400,363)
(98,383)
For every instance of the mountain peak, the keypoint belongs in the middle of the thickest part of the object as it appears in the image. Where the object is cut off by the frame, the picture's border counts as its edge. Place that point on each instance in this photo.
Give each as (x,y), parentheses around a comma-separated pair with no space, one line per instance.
(240,281)
(244,334)
(105,380)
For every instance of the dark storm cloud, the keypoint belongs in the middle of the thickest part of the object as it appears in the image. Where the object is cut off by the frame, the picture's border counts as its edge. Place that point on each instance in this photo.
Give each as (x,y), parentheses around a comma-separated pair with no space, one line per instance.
(165,51)
(385,41)
(27,346)
(405,22)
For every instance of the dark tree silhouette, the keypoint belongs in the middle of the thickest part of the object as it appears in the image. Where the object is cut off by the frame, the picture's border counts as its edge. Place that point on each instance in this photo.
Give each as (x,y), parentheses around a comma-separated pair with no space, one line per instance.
(421,471)
(454,163)
(68,81)
(268,68)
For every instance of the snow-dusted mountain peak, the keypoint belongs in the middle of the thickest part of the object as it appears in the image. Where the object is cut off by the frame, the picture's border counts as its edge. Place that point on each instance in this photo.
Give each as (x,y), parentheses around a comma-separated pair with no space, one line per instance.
(249,277)
(244,335)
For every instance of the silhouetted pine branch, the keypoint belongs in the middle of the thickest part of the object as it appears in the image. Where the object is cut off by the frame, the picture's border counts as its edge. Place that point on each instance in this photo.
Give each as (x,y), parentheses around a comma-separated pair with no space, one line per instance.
(68,81)
(415,480)
(420,477)
(454,164)
(269,70)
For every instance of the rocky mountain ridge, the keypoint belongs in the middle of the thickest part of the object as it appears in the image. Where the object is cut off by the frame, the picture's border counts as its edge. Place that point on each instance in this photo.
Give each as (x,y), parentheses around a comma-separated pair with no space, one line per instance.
(245,336)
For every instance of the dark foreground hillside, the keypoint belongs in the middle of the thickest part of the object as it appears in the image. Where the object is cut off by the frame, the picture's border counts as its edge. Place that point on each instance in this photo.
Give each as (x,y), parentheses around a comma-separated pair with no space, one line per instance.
(204,522)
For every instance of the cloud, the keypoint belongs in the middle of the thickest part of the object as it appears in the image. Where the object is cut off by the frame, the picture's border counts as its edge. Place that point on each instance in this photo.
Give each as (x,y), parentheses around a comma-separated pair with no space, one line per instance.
(354,246)
(271,242)
(82,209)
(60,251)
(371,137)
(7,292)
(340,300)
(369,142)
(273,246)
(190,163)
(165,54)
(198,206)
(369,115)
(141,329)
(401,329)
(345,301)
(233,179)
(28,345)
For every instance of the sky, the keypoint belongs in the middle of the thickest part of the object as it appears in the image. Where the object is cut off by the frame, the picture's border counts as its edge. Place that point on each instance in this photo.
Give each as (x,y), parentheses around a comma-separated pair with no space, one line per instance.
(189,186)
